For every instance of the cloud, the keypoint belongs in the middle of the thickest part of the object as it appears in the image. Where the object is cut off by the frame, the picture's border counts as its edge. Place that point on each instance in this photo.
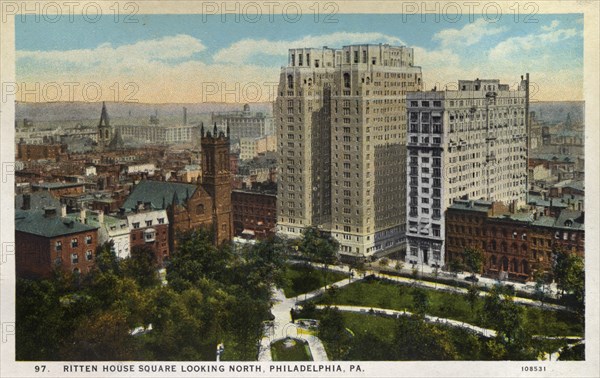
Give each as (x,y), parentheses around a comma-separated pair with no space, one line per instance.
(553,25)
(247,49)
(163,49)
(531,44)
(469,35)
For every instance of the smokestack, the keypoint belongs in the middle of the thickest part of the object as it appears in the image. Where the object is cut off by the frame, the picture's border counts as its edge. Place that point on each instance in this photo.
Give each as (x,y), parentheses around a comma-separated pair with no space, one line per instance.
(184,116)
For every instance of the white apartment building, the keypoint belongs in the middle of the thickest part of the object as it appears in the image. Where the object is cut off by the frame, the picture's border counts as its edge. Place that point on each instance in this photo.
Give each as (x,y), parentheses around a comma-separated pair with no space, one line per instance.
(466,143)
(340,119)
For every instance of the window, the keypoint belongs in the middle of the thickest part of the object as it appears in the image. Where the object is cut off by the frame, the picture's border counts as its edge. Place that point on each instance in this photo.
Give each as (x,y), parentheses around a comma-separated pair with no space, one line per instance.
(88,255)
(88,239)
(346,80)
(148,223)
(136,224)
(162,220)
(74,242)
(290,82)
(74,258)
(58,246)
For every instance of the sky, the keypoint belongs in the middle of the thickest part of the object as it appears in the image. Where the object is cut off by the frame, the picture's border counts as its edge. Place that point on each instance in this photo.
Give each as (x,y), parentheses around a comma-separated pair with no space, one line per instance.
(195,58)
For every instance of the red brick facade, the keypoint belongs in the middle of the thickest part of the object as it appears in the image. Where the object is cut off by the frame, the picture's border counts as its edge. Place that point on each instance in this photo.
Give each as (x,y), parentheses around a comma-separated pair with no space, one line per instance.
(254,211)
(38,256)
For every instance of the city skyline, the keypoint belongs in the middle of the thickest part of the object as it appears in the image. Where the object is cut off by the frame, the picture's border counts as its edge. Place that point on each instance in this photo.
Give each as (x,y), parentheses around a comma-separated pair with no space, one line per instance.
(172,58)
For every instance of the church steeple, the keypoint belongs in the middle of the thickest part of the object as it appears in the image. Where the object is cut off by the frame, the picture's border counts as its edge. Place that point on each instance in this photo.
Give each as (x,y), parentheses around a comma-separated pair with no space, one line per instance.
(105,130)
(104,116)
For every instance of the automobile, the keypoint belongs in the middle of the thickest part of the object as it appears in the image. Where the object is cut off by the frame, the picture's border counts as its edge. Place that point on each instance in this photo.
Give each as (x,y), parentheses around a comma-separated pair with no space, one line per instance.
(472,278)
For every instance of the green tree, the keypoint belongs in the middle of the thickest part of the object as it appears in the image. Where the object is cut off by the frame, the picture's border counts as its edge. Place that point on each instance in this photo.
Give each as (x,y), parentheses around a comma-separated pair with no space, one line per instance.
(102,337)
(542,279)
(416,340)
(142,266)
(420,301)
(106,260)
(318,246)
(473,259)
(332,330)
(197,258)
(456,266)
(473,296)
(502,314)
(569,274)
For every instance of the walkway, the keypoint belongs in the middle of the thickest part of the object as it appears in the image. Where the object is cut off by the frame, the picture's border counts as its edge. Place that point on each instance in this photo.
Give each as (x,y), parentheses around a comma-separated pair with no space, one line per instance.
(283,327)
(431,319)
(443,287)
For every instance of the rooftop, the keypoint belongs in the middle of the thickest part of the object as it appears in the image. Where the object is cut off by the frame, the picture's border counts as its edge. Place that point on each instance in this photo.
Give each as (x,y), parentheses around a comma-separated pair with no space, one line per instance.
(36,222)
(160,194)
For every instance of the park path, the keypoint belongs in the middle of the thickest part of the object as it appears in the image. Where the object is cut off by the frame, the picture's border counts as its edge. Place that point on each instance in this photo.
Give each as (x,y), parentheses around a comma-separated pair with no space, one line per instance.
(431,319)
(440,286)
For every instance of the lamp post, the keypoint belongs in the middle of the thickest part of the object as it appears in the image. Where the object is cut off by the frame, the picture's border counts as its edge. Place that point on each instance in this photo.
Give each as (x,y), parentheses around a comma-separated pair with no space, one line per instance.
(220,349)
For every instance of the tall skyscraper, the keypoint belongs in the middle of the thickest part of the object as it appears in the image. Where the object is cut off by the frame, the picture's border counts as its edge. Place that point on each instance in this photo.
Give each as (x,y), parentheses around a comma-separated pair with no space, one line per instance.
(340,117)
(469,143)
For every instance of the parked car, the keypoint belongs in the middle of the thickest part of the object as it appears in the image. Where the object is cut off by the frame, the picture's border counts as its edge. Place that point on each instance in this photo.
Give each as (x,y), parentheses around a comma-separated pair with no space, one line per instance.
(472,278)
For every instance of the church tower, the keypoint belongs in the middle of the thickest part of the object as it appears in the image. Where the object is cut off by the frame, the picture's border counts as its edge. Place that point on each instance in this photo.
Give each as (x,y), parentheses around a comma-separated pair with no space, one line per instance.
(216,180)
(105,130)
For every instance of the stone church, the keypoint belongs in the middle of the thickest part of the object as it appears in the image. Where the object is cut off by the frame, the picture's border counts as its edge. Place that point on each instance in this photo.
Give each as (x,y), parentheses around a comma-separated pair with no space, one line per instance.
(204,205)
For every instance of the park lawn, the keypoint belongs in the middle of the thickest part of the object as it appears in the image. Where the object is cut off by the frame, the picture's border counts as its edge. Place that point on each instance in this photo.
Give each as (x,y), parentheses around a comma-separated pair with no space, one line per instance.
(397,296)
(298,352)
(382,327)
(302,279)
(468,345)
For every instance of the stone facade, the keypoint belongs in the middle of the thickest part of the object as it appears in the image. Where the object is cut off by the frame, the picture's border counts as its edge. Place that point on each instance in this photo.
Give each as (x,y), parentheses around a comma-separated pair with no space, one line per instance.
(465,143)
(340,116)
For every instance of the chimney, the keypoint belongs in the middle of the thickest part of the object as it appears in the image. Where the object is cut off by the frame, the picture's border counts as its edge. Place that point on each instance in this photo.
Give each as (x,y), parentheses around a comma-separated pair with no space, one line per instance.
(100,216)
(184,116)
(26,202)
(82,216)
(49,212)
(63,210)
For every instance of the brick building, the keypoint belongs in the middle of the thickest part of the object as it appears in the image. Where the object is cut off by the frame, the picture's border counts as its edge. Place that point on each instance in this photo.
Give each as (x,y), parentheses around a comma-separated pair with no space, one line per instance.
(46,240)
(254,213)
(206,204)
(149,228)
(514,244)
(54,151)
(58,189)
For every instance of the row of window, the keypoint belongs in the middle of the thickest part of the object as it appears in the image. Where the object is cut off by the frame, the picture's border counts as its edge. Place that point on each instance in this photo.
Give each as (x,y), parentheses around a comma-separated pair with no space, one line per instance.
(74,242)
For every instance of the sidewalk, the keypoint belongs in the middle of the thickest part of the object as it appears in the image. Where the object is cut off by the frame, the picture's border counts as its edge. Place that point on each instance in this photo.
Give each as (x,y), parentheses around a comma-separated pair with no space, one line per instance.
(283,327)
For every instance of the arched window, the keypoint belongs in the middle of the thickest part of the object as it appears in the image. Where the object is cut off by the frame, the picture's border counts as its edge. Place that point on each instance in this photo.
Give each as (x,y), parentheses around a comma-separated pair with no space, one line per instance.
(290,82)
(505,264)
(515,266)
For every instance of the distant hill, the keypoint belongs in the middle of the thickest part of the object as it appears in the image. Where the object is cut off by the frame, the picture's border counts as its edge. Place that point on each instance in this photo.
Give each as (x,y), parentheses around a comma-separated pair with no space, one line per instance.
(80,111)
(553,112)
(556,111)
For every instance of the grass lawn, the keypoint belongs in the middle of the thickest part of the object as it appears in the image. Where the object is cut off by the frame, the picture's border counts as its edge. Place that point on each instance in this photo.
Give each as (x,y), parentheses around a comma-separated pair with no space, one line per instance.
(380,326)
(304,279)
(290,350)
(377,293)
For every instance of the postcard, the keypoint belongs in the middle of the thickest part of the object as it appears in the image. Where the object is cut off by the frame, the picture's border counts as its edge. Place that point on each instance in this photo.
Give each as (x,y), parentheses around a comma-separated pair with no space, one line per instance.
(299,188)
